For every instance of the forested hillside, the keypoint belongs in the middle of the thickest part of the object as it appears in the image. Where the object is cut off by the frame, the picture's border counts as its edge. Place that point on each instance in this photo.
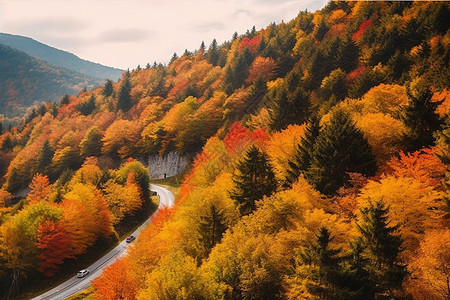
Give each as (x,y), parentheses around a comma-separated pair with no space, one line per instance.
(26,81)
(59,58)
(320,154)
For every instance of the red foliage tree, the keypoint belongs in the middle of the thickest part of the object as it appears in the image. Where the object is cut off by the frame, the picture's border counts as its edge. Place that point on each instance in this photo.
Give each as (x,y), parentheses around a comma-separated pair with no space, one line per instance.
(362,28)
(237,134)
(251,44)
(54,243)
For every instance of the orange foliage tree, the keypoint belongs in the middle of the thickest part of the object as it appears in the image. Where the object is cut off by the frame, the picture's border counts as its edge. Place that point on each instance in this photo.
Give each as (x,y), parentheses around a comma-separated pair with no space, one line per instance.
(116,282)
(265,67)
(40,188)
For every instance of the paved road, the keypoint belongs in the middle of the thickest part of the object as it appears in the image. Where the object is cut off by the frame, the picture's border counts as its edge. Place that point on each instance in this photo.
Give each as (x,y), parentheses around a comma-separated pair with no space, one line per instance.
(75,285)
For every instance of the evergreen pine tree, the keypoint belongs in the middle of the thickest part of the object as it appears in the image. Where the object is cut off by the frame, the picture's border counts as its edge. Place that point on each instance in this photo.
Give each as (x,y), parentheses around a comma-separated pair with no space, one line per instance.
(213,53)
(240,71)
(340,148)
(44,158)
(253,180)
(202,48)
(211,229)
(65,100)
(7,144)
(303,155)
(420,119)
(87,107)
(227,85)
(321,267)
(358,283)
(289,102)
(382,247)
(124,100)
(257,91)
(174,57)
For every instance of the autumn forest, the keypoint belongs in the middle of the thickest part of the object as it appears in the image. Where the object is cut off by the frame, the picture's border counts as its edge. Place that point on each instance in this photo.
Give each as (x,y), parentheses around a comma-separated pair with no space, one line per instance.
(320,150)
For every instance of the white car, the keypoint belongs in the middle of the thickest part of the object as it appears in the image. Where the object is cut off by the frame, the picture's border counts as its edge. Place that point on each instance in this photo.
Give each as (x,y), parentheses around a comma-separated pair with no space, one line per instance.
(83,273)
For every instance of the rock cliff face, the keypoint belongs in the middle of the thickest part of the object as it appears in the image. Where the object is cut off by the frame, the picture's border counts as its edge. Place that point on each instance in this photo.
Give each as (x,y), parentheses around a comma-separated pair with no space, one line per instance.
(168,165)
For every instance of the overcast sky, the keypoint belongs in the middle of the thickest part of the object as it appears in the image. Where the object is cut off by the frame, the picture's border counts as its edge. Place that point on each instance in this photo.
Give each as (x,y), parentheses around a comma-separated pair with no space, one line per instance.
(125,33)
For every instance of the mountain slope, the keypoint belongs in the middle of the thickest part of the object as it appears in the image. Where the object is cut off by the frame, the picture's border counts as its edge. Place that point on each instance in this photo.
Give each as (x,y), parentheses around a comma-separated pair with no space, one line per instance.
(25,80)
(59,58)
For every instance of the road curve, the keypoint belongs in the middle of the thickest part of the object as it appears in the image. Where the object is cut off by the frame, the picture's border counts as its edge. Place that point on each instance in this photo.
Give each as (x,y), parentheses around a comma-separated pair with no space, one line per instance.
(75,285)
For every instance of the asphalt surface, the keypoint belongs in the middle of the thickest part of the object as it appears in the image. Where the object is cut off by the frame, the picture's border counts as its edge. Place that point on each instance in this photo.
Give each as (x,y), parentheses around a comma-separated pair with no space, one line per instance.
(74,285)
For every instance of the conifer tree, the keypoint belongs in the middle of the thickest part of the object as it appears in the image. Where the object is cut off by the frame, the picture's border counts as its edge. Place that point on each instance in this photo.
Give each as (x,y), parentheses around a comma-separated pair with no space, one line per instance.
(124,100)
(303,155)
(7,144)
(227,85)
(87,107)
(340,148)
(211,228)
(44,158)
(240,71)
(213,53)
(288,102)
(321,268)
(65,99)
(357,281)
(253,180)
(382,247)
(174,57)
(420,119)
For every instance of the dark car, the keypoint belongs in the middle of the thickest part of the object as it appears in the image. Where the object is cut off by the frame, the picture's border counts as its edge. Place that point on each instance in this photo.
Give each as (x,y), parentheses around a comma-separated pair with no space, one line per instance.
(130,239)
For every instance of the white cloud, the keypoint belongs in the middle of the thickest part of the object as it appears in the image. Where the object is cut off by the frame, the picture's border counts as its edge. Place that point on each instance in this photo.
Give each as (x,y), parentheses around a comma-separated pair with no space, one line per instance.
(125,33)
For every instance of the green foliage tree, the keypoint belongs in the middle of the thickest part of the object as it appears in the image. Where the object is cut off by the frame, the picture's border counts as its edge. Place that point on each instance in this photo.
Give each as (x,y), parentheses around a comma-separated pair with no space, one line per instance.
(340,148)
(124,100)
(420,119)
(91,144)
(382,248)
(253,180)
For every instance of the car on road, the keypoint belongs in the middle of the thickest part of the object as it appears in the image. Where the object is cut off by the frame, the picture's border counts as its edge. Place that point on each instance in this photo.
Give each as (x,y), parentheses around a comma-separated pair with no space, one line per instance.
(83,273)
(130,238)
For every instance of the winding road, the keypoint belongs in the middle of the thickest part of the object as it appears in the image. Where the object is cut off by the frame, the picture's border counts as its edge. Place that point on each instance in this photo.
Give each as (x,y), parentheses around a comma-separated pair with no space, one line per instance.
(75,285)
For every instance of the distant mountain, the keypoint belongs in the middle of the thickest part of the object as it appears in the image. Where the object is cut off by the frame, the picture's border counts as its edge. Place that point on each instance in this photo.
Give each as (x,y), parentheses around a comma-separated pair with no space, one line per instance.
(26,81)
(59,58)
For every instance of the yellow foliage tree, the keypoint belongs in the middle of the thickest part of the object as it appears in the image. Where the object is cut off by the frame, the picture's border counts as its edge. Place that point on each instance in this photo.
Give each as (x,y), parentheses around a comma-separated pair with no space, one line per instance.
(282,147)
(430,269)
(121,138)
(416,207)
(383,132)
